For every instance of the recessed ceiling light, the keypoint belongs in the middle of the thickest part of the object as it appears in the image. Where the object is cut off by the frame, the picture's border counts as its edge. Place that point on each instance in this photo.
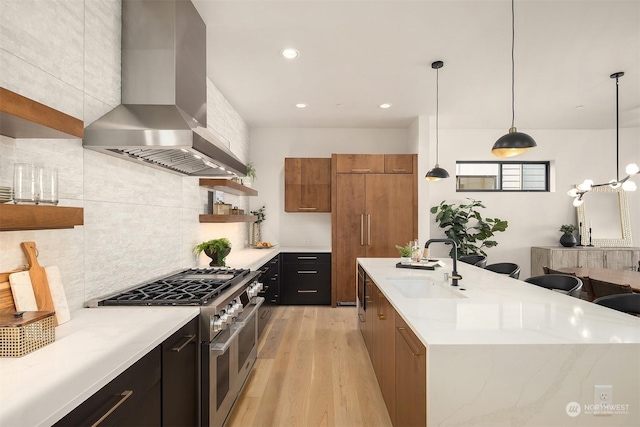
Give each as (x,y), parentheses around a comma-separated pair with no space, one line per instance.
(301,105)
(290,53)
(579,107)
(384,106)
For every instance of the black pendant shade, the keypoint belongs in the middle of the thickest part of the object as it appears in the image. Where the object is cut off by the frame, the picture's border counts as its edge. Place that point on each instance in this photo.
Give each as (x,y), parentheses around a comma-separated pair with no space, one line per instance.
(512,144)
(436,174)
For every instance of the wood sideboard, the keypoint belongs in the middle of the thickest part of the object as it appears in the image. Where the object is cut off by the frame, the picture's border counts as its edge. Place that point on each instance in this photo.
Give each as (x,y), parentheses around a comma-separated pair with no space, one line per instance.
(556,257)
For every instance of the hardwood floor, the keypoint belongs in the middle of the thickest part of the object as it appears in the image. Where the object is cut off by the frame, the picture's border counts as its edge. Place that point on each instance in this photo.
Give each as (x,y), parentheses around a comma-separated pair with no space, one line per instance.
(312,370)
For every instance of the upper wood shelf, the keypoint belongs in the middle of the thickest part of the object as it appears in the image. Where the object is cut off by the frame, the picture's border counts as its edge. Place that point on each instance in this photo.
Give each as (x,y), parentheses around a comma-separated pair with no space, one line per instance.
(227,186)
(21,117)
(39,217)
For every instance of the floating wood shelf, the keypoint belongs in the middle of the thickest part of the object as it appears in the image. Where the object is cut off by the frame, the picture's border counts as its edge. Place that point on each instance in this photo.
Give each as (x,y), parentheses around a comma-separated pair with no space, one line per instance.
(21,117)
(39,217)
(227,218)
(227,186)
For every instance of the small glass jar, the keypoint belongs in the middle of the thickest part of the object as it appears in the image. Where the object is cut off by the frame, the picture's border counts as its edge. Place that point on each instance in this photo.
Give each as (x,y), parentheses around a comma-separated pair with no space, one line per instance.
(416,253)
(25,179)
(48,186)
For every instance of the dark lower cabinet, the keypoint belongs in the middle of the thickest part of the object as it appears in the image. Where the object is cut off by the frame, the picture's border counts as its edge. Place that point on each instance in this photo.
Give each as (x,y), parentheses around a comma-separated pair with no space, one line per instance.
(131,399)
(180,378)
(270,279)
(306,279)
(161,389)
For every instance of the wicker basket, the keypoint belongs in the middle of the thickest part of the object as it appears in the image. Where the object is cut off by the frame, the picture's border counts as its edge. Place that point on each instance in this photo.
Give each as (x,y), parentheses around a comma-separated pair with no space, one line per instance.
(22,334)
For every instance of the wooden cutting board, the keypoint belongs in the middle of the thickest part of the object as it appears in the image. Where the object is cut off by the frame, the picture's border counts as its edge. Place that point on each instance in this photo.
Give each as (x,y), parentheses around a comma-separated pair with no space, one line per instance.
(38,277)
(7,306)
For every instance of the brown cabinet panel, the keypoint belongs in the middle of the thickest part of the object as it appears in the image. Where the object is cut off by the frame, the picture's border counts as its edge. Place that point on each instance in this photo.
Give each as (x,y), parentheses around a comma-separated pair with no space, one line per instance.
(390,213)
(411,377)
(307,185)
(386,358)
(349,237)
(398,163)
(360,163)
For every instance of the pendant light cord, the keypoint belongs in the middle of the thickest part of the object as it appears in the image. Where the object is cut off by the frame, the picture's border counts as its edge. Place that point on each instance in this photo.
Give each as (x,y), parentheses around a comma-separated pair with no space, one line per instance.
(513,42)
(437,114)
(617,135)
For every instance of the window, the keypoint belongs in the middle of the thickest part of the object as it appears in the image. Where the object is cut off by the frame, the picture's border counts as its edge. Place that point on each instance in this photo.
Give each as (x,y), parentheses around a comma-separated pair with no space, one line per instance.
(502,176)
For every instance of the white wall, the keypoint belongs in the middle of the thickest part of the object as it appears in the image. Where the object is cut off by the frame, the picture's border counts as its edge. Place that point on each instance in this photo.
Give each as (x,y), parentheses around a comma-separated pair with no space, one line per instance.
(139,222)
(270,146)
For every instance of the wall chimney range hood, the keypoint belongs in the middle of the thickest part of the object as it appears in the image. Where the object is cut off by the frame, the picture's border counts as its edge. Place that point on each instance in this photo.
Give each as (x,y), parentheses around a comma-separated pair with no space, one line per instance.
(162,121)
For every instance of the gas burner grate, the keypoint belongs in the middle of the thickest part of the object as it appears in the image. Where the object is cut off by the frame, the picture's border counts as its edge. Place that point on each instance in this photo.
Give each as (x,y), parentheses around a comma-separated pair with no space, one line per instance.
(189,287)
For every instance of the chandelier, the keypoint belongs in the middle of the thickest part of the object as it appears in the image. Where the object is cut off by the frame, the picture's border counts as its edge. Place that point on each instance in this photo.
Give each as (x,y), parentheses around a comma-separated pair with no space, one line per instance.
(632,168)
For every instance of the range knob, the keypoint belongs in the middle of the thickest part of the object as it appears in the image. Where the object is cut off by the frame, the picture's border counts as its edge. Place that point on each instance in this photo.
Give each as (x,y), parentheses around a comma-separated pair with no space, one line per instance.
(231,310)
(217,323)
(238,307)
(224,318)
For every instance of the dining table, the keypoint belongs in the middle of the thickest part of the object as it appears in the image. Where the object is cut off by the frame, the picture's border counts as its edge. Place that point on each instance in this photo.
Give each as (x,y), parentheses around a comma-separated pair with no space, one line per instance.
(619,277)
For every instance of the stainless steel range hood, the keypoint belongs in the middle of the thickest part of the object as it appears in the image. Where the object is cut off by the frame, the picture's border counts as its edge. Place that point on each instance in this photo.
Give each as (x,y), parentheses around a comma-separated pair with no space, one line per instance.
(162,121)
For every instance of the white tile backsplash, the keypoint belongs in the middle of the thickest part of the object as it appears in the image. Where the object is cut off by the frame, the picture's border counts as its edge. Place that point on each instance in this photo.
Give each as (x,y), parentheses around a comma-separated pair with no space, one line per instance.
(139,222)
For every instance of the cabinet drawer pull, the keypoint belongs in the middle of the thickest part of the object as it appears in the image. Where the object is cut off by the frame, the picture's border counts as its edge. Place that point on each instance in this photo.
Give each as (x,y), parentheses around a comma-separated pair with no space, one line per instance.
(123,396)
(403,333)
(362,318)
(368,230)
(275,277)
(307,271)
(361,229)
(264,270)
(381,316)
(312,291)
(307,257)
(360,170)
(399,170)
(307,209)
(188,339)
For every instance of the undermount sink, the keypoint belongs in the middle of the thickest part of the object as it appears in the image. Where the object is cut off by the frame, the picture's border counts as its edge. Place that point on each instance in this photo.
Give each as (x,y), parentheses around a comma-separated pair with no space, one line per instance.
(422,288)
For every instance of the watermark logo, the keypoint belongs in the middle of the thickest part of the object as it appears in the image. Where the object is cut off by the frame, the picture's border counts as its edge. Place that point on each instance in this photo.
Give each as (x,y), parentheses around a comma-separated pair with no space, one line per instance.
(573,409)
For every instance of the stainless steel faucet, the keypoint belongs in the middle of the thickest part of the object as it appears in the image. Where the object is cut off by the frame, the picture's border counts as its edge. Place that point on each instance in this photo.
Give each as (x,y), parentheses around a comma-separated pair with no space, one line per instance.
(454,274)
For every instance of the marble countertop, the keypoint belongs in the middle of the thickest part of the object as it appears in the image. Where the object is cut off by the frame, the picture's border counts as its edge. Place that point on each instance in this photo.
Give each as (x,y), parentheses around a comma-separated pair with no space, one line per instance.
(490,308)
(90,350)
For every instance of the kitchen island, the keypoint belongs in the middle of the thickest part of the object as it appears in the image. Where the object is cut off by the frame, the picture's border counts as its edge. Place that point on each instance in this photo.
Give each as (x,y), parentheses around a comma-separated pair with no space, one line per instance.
(500,351)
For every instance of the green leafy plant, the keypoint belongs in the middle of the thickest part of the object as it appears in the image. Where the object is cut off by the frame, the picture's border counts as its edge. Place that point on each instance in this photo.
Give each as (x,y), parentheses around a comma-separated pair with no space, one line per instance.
(260,214)
(465,225)
(251,170)
(219,248)
(405,251)
(568,229)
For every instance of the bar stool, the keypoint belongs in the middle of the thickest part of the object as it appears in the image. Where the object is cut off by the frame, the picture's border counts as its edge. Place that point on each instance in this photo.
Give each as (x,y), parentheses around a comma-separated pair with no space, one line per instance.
(508,268)
(477,260)
(628,303)
(564,283)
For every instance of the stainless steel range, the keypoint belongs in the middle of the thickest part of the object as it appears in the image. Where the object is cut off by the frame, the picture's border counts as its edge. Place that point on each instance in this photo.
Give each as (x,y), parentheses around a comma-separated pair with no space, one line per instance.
(229,303)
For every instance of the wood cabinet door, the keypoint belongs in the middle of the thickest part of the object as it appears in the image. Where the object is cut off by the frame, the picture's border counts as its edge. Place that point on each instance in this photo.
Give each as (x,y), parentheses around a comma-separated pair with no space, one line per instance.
(390,213)
(411,377)
(623,259)
(564,258)
(359,163)
(590,259)
(349,239)
(385,345)
(398,163)
(307,185)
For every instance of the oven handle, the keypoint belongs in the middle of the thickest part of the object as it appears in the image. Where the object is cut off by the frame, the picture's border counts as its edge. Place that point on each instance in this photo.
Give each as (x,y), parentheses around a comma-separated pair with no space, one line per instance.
(219,349)
(255,305)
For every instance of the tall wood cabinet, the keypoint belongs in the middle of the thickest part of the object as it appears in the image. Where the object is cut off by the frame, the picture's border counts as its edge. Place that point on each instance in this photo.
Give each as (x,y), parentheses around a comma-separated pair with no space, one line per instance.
(556,257)
(374,209)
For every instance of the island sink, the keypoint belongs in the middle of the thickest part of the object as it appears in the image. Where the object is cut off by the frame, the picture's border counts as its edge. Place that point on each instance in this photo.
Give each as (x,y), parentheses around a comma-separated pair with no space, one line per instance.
(421,288)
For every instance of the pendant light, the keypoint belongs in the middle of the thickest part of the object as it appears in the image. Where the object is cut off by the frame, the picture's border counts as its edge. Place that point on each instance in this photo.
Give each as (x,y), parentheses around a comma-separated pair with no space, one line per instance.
(514,142)
(437,173)
(631,169)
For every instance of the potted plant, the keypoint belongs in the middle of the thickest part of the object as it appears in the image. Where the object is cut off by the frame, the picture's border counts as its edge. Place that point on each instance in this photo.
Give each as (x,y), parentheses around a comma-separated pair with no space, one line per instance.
(216,249)
(256,234)
(567,239)
(251,174)
(466,226)
(405,252)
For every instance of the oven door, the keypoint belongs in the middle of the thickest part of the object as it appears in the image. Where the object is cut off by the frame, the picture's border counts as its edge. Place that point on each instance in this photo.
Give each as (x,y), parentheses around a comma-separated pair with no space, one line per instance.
(227,362)
(218,377)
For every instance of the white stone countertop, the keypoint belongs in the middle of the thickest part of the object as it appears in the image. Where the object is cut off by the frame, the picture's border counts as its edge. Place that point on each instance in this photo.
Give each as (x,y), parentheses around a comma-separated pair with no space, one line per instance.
(490,308)
(255,258)
(90,350)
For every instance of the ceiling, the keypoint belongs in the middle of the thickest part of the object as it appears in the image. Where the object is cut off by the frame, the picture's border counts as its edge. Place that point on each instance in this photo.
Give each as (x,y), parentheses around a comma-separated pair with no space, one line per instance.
(357,54)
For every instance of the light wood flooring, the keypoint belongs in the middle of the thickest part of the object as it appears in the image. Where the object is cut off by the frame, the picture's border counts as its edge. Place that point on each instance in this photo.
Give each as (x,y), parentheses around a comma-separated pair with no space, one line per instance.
(312,370)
